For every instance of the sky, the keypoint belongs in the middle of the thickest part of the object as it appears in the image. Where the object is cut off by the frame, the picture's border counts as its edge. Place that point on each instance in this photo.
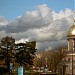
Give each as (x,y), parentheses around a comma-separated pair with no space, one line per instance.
(13,8)
(45,21)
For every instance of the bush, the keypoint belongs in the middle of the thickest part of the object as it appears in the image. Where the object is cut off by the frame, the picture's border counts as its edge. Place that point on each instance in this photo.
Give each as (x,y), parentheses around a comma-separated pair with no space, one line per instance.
(3,70)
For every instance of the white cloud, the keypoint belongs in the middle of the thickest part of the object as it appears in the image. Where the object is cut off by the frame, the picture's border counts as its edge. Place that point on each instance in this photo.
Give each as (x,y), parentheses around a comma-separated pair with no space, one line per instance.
(43,25)
(3,21)
(62,14)
(22,40)
(31,19)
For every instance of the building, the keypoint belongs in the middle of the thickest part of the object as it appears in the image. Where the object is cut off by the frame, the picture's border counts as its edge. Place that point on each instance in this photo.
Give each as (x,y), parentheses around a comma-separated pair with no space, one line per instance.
(69,60)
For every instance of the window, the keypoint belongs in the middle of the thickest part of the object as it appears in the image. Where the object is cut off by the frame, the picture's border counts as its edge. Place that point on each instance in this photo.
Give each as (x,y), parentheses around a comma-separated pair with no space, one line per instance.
(68,59)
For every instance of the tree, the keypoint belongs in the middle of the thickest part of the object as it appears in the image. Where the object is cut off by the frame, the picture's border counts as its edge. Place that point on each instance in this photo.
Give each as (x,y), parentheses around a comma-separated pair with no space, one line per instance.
(25,53)
(50,58)
(7,45)
(44,59)
(38,61)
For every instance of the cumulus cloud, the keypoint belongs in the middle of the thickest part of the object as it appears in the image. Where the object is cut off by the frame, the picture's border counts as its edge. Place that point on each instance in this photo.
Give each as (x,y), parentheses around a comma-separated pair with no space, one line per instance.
(47,27)
(3,21)
(62,14)
(31,19)
(51,45)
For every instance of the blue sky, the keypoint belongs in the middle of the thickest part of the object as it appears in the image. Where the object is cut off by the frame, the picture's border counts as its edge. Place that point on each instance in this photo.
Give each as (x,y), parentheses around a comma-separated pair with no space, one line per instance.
(10,9)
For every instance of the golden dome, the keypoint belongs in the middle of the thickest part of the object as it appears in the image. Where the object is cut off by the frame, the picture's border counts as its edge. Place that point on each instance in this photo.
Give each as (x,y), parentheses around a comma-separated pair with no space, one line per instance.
(72,29)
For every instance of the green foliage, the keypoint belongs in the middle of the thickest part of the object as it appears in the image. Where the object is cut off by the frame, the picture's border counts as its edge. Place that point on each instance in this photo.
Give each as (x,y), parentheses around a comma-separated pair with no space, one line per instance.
(22,53)
(6,47)
(26,52)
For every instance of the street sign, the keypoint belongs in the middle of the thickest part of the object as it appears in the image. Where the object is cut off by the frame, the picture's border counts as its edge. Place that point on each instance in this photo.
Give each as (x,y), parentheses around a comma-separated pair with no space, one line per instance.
(20,70)
(11,66)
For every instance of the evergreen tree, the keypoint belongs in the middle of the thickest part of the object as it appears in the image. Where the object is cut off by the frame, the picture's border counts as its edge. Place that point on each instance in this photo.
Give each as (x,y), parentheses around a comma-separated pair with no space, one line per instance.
(25,53)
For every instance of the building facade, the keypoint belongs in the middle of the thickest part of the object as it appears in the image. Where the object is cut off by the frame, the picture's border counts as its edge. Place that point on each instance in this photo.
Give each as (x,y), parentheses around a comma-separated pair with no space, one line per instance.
(69,60)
